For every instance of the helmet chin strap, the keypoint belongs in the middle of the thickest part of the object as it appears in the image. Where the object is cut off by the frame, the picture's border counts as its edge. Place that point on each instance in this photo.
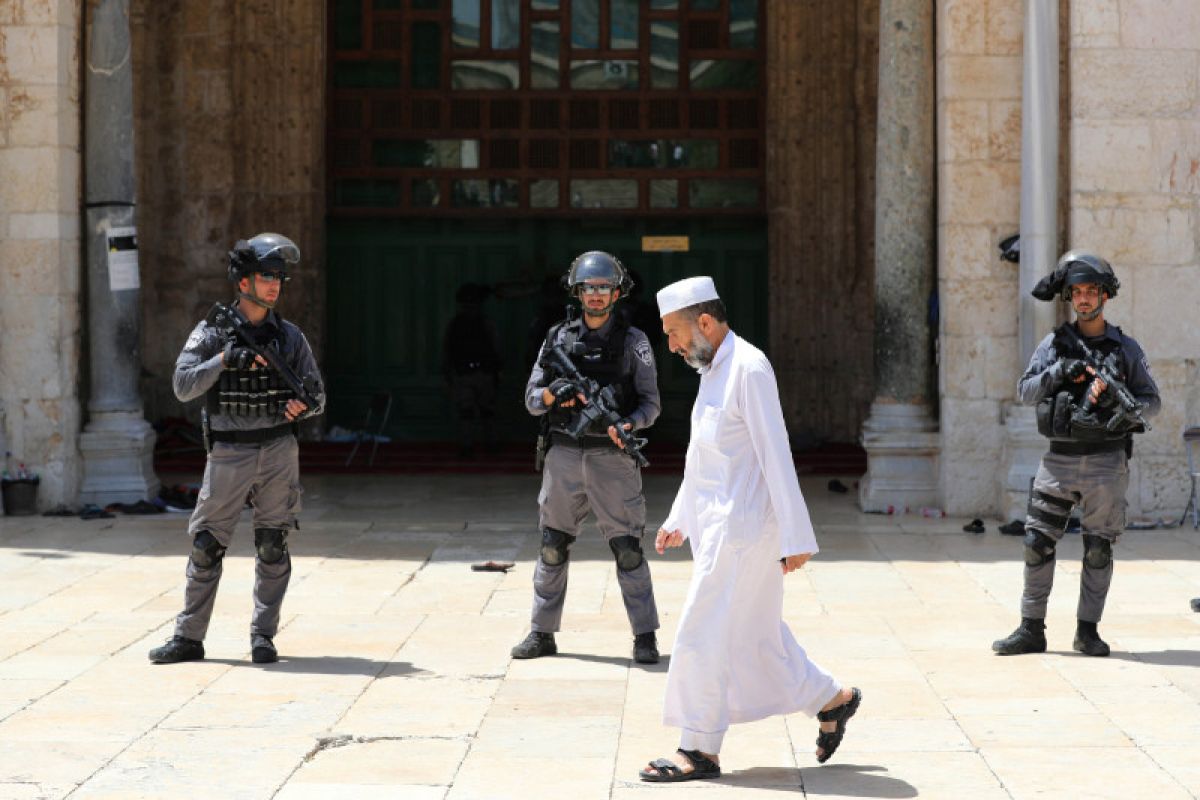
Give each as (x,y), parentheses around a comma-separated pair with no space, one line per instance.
(598,312)
(254,298)
(1095,312)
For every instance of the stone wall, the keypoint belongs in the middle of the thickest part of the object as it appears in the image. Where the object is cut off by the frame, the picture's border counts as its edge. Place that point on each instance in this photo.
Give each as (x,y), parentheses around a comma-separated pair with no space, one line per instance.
(1135,184)
(979,175)
(40,249)
(230,120)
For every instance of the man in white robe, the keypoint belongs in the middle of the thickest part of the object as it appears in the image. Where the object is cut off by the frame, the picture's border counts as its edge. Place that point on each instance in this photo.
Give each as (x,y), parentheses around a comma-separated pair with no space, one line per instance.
(741,510)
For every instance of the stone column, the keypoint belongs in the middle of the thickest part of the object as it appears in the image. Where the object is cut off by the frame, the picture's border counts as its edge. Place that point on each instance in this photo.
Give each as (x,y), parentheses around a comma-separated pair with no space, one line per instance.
(1023,445)
(117,443)
(901,435)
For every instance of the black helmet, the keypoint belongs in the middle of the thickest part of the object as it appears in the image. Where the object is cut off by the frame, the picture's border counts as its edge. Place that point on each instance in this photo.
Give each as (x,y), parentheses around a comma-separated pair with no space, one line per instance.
(1082,266)
(266,252)
(597,265)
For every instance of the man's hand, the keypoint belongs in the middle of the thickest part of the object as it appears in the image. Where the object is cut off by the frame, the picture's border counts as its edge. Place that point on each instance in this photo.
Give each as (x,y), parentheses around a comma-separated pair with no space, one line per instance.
(1097,388)
(561,391)
(294,409)
(667,539)
(612,433)
(1074,369)
(241,357)
(793,563)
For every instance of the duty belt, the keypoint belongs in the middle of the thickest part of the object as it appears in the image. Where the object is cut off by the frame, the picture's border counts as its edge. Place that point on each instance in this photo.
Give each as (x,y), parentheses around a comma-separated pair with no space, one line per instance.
(586,443)
(1086,448)
(255,435)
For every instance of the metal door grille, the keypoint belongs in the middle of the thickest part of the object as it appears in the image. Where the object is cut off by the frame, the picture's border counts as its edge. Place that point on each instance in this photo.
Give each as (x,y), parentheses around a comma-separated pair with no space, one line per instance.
(546,107)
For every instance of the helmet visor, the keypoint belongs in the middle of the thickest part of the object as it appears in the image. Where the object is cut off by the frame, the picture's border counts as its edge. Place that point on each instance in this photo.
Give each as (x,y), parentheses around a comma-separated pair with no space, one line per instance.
(273,247)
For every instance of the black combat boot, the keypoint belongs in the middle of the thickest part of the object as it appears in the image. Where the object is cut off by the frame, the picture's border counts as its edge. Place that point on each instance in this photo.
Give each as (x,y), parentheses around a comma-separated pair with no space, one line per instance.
(1088,641)
(1196,604)
(1029,637)
(178,648)
(645,648)
(536,645)
(262,649)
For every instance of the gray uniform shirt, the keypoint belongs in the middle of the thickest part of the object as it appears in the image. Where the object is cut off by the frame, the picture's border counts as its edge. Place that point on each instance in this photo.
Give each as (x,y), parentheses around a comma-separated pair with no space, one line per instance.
(199,366)
(638,354)
(1044,376)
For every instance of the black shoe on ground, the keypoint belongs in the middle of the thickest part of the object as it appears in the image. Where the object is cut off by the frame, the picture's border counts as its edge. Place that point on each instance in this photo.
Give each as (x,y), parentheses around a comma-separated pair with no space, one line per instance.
(1029,637)
(645,648)
(1196,604)
(536,645)
(262,649)
(178,648)
(1088,641)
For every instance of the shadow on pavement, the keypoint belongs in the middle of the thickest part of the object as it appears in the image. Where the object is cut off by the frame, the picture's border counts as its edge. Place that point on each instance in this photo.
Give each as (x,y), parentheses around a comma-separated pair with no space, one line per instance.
(1163,658)
(344,665)
(854,780)
(620,661)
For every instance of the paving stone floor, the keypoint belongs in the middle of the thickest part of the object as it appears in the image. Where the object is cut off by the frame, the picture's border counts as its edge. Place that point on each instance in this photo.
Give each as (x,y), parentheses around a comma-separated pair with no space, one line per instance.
(396,681)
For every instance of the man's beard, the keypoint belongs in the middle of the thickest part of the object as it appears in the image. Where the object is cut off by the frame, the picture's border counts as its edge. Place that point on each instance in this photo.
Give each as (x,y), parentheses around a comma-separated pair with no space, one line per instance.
(699,354)
(1090,315)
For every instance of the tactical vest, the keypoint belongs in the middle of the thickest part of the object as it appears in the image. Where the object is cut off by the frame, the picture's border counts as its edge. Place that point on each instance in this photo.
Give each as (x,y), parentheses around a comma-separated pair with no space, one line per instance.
(1065,346)
(1054,416)
(259,392)
(607,365)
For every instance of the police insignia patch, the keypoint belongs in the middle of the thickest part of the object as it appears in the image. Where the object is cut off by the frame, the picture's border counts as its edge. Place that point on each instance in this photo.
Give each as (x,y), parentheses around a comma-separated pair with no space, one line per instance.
(644,354)
(195,339)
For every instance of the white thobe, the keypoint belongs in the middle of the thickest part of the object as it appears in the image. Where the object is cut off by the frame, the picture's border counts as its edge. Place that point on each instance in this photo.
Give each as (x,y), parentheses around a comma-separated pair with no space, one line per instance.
(741,510)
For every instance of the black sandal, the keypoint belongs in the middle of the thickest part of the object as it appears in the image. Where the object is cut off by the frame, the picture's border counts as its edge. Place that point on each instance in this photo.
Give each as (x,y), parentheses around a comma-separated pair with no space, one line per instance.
(828,741)
(667,771)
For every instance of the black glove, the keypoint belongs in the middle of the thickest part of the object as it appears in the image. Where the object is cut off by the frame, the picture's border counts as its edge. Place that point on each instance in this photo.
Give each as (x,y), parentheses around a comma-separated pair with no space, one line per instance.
(238,357)
(563,390)
(1073,369)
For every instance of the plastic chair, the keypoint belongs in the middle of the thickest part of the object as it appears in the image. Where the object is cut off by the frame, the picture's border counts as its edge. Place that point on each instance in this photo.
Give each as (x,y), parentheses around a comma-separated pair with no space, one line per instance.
(381,404)
(1191,437)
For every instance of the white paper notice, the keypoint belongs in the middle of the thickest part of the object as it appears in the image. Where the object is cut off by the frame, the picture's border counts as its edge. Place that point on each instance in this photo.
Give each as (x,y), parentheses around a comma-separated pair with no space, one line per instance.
(122,259)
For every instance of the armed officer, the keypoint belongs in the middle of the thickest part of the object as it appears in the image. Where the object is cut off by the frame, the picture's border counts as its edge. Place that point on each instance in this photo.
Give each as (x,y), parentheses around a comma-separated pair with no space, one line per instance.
(1091,432)
(592,472)
(250,418)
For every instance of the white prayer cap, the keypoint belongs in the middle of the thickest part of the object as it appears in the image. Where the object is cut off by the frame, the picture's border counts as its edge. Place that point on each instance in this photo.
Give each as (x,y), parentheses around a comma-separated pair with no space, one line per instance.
(687,292)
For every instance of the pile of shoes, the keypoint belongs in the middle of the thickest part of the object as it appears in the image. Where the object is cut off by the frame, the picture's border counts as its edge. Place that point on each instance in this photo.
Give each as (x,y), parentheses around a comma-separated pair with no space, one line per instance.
(180,497)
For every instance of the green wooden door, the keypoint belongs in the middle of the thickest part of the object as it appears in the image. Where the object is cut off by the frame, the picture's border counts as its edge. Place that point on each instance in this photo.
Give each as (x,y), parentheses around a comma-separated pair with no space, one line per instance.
(391,286)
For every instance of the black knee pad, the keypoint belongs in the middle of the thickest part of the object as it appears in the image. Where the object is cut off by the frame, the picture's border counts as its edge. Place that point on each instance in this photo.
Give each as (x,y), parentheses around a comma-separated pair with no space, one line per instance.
(206,550)
(1039,548)
(1097,551)
(627,550)
(555,546)
(271,544)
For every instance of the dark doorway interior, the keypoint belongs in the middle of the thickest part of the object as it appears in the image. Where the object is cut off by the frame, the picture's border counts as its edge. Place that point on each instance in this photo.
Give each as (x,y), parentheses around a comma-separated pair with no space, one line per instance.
(392,286)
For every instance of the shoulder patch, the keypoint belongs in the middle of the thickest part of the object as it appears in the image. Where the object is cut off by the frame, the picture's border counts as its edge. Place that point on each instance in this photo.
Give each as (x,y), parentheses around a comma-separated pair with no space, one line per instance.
(644,353)
(196,339)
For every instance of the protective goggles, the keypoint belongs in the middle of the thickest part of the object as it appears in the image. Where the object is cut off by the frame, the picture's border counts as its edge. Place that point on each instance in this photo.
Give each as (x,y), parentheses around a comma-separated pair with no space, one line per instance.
(596,288)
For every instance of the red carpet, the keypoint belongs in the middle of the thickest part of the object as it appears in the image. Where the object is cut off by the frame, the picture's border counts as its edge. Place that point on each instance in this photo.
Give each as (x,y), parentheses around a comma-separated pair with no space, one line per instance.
(443,457)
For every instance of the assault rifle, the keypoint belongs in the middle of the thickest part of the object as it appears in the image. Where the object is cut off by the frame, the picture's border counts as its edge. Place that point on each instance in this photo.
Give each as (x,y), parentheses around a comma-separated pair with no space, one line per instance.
(1106,370)
(599,405)
(231,323)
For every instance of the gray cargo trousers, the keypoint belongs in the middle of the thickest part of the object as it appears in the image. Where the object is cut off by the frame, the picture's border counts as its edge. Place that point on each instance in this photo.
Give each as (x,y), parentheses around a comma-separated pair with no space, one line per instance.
(268,476)
(1097,483)
(608,483)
